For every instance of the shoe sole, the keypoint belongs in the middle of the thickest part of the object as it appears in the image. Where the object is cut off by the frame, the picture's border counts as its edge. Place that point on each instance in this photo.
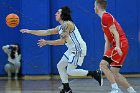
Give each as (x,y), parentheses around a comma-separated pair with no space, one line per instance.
(101,77)
(69,91)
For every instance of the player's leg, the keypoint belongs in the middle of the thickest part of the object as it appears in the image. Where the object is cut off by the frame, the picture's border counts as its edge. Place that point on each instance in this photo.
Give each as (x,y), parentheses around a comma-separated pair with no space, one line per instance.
(71,70)
(115,68)
(104,65)
(122,80)
(61,66)
(8,69)
(17,68)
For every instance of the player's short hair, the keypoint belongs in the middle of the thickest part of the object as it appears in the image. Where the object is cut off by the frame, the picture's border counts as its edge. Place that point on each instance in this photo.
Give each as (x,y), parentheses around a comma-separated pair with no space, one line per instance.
(66,13)
(102,3)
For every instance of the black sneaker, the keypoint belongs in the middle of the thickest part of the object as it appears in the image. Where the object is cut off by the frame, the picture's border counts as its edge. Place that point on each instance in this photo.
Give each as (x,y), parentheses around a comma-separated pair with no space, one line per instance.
(98,76)
(64,91)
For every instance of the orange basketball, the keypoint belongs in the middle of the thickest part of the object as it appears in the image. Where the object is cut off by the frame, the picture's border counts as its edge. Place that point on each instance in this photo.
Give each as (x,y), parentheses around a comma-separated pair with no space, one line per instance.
(12,20)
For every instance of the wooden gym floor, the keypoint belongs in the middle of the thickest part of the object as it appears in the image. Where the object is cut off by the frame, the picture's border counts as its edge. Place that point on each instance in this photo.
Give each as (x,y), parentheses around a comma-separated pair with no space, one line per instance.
(80,85)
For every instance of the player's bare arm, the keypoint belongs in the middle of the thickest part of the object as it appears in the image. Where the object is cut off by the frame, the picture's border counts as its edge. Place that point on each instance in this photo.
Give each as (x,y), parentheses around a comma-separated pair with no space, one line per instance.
(41,32)
(114,31)
(66,27)
(107,44)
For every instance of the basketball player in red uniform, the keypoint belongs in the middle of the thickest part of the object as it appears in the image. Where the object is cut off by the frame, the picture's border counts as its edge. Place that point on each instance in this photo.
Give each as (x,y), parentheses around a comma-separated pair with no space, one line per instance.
(116,48)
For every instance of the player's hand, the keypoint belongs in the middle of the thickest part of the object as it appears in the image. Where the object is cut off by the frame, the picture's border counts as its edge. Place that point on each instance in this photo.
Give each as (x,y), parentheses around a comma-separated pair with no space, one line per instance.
(118,50)
(42,42)
(13,45)
(24,31)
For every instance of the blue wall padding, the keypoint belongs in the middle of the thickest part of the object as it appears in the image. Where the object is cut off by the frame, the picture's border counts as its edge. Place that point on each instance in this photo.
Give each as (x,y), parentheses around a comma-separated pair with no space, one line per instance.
(40,14)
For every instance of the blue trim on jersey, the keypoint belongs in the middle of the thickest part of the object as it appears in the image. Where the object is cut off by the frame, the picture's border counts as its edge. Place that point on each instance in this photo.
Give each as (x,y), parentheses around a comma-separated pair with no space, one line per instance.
(72,60)
(73,40)
(75,47)
(75,59)
(79,44)
(59,28)
(66,56)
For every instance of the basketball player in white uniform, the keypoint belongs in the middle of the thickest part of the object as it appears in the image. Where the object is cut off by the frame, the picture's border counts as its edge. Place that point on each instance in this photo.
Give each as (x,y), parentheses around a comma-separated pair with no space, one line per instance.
(74,56)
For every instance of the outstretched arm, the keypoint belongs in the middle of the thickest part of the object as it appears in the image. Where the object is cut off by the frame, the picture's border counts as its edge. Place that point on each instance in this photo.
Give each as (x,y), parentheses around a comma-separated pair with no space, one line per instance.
(66,27)
(43,42)
(41,32)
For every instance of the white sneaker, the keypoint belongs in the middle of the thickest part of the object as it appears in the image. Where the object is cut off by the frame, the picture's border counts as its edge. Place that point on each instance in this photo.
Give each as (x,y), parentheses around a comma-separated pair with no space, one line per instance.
(134,92)
(113,90)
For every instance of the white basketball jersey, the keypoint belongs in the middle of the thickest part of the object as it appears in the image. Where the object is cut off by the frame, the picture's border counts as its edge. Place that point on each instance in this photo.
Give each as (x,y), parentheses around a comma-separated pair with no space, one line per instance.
(74,41)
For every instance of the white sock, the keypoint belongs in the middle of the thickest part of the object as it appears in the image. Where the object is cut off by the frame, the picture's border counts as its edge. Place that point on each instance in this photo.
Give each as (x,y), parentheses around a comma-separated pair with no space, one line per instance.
(131,90)
(115,86)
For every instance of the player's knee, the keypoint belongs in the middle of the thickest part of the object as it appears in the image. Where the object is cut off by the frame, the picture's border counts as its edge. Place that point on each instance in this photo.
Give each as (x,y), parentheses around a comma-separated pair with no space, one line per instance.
(103,65)
(116,74)
(60,65)
(7,67)
(69,72)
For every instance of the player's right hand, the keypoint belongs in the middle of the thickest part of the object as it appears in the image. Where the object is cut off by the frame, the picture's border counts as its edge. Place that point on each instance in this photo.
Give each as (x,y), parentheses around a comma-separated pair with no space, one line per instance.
(118,49)
(24,31)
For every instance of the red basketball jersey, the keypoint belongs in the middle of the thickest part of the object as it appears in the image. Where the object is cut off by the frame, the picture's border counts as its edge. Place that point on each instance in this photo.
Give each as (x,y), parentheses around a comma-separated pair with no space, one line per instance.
(108,20)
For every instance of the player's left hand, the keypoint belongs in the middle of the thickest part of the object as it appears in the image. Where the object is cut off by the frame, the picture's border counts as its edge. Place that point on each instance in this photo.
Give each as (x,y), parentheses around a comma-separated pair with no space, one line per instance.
(42,42)
(118,50)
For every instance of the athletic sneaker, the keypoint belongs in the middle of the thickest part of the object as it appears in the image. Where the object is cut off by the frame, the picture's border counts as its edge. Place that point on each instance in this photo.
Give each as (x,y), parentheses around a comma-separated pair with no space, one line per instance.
(97,75)
(115,90)
(64,91)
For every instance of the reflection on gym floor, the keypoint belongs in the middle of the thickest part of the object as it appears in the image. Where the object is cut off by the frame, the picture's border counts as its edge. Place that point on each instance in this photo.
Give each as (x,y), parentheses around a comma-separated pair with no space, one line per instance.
(52,86)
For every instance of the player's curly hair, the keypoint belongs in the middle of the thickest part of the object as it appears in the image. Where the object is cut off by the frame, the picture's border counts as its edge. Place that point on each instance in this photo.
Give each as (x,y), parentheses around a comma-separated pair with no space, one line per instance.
(103,3)
(66,13)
